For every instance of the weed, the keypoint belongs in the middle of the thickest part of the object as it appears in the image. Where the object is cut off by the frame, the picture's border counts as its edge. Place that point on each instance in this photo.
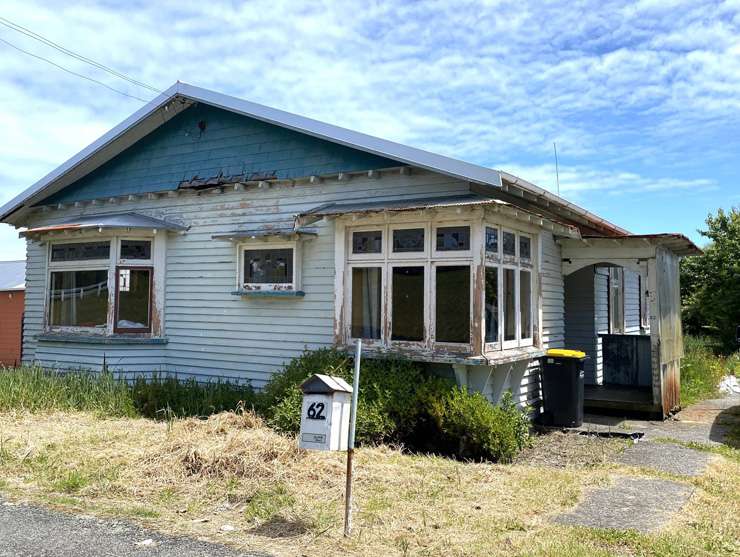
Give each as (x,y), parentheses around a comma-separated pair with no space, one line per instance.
(266,503)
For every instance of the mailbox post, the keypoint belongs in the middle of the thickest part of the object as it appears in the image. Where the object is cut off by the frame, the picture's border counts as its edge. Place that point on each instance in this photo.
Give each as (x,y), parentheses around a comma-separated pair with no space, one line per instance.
(328,416)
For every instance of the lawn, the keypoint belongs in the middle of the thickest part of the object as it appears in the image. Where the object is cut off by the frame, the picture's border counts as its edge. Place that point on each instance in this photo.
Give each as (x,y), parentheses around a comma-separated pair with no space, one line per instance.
(232,480)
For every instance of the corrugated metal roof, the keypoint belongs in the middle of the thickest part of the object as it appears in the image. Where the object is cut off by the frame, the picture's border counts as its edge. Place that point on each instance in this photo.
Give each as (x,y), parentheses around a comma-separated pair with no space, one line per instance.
(675,242)
(115,141)
(120,220)
(12,275)
(333,209)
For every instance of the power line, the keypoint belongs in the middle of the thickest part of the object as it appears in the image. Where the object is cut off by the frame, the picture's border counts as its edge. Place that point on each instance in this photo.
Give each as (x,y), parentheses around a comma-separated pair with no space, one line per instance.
(36,36)
(70,71)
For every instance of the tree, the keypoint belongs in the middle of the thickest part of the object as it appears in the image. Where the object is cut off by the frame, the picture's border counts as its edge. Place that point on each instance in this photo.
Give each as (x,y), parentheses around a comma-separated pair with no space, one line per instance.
(710,283)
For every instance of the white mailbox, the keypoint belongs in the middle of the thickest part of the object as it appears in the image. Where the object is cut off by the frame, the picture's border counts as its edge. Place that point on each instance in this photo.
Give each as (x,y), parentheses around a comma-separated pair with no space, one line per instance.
(325,413)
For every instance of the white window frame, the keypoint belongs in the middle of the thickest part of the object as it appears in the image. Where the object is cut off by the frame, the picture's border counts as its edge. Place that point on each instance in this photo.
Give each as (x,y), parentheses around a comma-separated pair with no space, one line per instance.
(110,265)
(254,245)
(389,296)
(370,342)
(455,254)
(496,345)
(517,264)
(367,256)
(492,256)
(408,255)
(433,304)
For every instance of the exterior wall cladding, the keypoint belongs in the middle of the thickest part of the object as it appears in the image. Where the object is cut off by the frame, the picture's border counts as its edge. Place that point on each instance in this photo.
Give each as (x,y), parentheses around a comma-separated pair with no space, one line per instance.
(210,332)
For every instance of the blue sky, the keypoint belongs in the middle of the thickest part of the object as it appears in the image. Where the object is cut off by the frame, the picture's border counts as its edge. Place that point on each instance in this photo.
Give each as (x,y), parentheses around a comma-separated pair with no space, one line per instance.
(643,99)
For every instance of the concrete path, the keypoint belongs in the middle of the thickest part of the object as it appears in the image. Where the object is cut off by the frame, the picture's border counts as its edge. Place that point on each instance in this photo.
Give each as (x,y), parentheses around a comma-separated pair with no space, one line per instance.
(27,531)
(641,504)
(645,504)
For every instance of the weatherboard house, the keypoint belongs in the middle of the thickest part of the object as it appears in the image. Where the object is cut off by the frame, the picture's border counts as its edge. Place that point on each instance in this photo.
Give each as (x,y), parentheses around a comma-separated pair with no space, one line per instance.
(212,237)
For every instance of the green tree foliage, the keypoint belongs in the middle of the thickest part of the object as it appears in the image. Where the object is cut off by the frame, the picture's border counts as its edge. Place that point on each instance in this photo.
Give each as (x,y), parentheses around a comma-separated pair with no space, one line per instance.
(710,283)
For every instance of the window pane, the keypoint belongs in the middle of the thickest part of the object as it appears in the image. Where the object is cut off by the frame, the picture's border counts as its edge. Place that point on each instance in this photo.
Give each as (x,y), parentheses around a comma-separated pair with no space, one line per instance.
(268,266)
(81,251)
(525,247)
(491,304)
(79,298)
(133,298)
(453,238)
(525,302)
(408,304)
(367,242)
(491,240)
(408,240)
(136,249)
(367,292)
(509,305)
(452,304)
(509,243)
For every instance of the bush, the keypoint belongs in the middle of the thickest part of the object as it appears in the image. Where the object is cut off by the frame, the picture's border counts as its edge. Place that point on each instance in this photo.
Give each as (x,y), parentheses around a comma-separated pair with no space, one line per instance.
(702,369)
(398,402)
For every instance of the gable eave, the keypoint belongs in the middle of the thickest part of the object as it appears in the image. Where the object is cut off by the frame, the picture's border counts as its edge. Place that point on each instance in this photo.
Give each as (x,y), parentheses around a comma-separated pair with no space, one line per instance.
(161,109)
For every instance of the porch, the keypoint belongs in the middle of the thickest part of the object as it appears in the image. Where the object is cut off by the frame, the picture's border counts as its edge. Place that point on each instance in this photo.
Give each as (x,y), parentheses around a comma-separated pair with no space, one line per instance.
(622,308)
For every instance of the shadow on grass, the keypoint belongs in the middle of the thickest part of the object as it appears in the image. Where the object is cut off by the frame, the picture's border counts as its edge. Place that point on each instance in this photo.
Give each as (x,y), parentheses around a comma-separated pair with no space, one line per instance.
(726,427)
(280,527)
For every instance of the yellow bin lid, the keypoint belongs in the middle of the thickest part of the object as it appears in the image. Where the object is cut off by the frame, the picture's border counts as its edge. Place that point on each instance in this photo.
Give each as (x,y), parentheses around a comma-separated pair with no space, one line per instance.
(562,353)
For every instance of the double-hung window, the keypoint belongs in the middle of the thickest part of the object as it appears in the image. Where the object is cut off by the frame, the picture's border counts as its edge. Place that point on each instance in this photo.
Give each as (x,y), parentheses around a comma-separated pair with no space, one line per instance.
(88,279)
(508,297)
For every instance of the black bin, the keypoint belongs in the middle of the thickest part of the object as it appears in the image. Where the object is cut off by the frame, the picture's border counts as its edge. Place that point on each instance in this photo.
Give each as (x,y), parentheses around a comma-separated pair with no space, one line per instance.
(562,388)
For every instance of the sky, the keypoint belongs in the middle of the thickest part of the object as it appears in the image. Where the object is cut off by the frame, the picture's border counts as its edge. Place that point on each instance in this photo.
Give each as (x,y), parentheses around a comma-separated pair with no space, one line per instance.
(642,99)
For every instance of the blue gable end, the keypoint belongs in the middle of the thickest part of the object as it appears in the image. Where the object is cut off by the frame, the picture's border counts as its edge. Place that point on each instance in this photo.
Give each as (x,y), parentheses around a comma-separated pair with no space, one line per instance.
(229,144)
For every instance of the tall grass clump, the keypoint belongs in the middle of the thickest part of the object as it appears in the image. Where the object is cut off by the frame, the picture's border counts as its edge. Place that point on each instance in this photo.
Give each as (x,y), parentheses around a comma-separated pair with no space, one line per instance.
(34,389)
(168,396)
(702,369)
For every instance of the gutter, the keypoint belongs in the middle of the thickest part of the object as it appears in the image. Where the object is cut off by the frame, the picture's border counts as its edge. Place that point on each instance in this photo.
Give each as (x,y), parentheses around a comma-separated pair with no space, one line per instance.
(528,186)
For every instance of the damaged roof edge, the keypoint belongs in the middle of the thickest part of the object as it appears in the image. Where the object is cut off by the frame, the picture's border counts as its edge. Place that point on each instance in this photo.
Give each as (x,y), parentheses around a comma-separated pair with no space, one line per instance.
(549,196)
(115,141)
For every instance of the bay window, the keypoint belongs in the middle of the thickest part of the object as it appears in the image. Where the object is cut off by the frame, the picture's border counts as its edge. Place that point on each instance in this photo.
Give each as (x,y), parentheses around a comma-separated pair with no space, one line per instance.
(89,278)
(410,285)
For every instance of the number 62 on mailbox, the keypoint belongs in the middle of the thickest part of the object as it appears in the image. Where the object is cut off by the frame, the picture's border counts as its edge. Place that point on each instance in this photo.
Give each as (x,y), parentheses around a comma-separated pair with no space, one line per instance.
(325,413)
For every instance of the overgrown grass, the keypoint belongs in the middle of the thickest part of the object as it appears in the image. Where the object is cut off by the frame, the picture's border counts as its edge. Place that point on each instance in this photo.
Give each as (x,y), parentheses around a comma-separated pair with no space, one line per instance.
(34,389)
(702,369)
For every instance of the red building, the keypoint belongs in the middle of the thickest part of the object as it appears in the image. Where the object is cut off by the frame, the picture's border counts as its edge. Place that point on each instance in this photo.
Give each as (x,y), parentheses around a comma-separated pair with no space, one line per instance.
(12,297)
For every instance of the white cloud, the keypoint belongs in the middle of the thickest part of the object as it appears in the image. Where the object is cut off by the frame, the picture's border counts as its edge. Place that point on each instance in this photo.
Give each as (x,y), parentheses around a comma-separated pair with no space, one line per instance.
(648,86)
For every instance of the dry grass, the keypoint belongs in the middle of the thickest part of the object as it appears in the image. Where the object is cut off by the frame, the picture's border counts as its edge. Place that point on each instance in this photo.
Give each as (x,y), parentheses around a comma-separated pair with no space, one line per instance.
(195,477)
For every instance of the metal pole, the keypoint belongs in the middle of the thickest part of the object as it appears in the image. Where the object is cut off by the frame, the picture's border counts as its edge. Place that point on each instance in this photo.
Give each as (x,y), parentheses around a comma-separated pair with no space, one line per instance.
(351,442)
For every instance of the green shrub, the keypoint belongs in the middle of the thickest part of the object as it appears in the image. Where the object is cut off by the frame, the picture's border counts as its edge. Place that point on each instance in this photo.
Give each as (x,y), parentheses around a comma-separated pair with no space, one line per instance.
(484,431)
(398,402)
(168,396)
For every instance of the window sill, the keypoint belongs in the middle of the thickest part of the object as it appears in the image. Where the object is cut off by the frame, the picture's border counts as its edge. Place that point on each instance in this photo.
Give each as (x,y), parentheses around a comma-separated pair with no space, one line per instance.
(510,355)
(99,339)
(418,355)
(269,293)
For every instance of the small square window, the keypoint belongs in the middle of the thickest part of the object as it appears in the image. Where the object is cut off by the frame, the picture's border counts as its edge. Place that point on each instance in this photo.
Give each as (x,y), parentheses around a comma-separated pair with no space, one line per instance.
(525,247)
(408,240)
(491,240)
(453,238)
(509,243)
(268,266)
(370,241)
(136,249)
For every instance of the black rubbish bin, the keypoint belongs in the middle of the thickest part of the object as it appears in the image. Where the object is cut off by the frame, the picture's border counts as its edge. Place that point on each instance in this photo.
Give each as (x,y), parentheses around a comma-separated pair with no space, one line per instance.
(562,388)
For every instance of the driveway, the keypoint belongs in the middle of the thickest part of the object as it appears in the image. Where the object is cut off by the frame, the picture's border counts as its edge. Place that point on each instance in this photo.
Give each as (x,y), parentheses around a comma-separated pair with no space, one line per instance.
(27,531)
